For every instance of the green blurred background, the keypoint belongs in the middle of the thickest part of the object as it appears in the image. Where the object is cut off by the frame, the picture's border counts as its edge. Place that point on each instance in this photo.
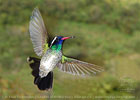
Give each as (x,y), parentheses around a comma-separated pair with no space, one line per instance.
(107,34)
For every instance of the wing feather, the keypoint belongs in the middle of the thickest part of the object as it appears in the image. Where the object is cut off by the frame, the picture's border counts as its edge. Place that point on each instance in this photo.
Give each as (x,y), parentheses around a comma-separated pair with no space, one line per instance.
(75,70)
(38,32)
(77,67)
(72,70)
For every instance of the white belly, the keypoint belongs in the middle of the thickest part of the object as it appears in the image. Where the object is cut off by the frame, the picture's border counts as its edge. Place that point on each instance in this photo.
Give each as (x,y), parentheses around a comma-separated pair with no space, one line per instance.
(49,62)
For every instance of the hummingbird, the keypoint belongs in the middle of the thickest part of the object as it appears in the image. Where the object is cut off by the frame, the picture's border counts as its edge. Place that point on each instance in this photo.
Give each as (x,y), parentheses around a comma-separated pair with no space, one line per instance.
(52,56)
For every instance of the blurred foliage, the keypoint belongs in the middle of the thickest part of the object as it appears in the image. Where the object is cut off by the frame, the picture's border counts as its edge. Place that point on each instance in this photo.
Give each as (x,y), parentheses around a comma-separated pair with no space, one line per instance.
(107,34)
(109,12)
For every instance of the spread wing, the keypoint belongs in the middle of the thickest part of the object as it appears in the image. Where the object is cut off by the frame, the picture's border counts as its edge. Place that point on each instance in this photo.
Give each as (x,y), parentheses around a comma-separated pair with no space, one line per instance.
(38,33)
(77,67)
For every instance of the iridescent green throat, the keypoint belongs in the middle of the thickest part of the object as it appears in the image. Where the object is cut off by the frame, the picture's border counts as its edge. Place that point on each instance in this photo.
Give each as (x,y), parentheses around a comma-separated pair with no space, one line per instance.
(57,47)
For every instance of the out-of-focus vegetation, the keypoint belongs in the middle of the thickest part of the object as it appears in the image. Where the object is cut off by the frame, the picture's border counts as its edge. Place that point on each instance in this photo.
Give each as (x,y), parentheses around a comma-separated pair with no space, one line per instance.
(107,34)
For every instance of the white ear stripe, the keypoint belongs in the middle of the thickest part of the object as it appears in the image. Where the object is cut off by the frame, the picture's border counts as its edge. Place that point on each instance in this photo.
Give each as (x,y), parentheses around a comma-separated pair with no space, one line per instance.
(53,41)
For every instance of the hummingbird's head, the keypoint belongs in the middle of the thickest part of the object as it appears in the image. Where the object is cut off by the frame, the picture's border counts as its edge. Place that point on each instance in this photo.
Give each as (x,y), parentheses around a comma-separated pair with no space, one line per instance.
(58,41)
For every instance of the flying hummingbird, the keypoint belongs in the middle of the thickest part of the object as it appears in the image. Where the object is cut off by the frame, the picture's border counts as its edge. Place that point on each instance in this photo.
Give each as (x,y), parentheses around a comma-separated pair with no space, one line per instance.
(52,56)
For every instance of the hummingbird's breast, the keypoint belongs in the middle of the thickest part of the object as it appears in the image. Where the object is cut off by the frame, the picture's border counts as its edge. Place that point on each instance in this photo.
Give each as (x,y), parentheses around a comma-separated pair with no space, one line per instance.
(49,61)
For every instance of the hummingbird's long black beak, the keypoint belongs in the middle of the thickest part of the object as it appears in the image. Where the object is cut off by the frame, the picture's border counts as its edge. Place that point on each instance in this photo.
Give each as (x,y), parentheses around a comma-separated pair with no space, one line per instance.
(64,38)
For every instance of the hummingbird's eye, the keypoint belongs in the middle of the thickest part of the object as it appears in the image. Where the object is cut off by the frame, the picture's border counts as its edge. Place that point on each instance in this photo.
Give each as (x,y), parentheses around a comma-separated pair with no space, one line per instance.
(57,39)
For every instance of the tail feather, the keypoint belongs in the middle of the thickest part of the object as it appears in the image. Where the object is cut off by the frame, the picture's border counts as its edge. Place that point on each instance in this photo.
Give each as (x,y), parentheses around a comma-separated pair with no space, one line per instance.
(34,65)
(44,83)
